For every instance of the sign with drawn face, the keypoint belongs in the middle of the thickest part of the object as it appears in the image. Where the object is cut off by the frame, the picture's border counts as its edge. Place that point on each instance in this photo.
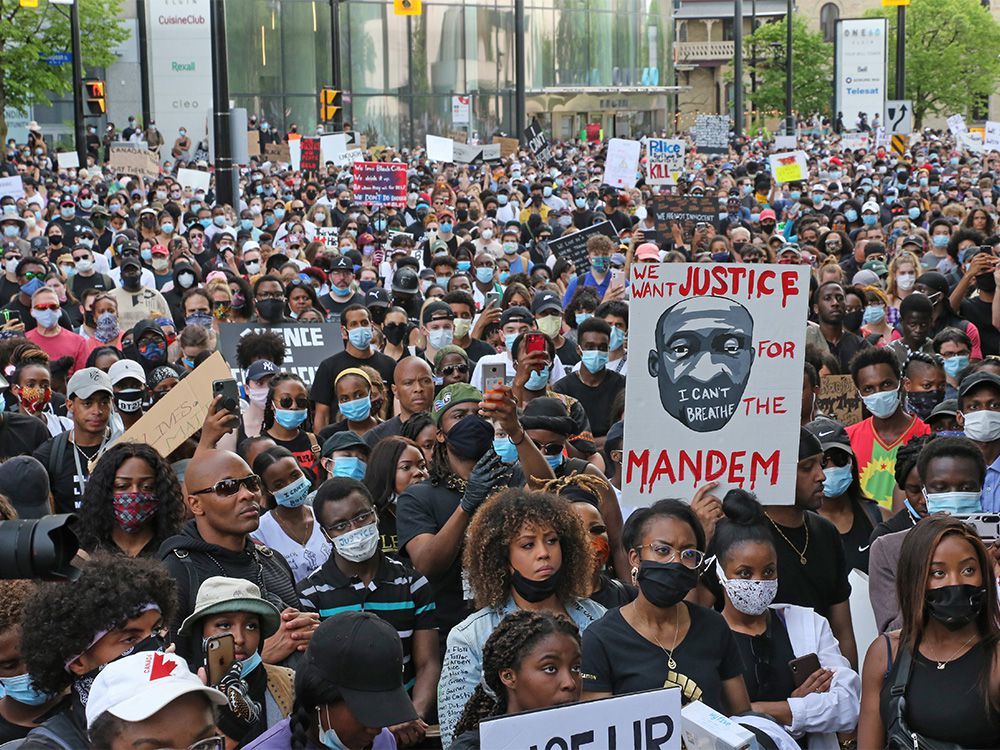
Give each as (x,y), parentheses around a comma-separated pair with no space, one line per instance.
(716,395)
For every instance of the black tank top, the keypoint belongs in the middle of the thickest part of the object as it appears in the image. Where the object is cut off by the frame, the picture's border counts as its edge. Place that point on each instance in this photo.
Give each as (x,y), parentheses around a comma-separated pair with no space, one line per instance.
(947,704)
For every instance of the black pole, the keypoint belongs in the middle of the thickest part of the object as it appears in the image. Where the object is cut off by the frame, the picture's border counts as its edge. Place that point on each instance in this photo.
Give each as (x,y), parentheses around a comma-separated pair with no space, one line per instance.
(220,106)
(338,81)
(520,107)
(140,11)
(753,54)
(789,118)
(79,129)
(738,68)
(900,51)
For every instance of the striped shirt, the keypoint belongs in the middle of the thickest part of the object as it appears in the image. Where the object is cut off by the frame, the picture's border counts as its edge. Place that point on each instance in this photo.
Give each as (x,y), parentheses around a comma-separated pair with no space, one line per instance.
(397,593)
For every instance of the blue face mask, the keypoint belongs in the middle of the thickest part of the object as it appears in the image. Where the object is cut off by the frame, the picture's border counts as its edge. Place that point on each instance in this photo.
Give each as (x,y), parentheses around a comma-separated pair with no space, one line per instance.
(837,480)
(873,314)
(343,291)
(869,220)
(279,213)
(580,202)
(484,275)
(509,339)
(351,467)
(582,316)
(954,365)
(890,200)
(290,419)
(795,195)
(20,689)
(504,276)
(851,215)
(360,338)
(953,503)
(442,281)
(440,337)
(328,737)
(617,338)
(292,495)
(940,240)
(246,224)
(595,361)
(446,227)
(249,664)
(380,225)
(146,254)
(357,410)
(555,461)
(167,228)
(32,286)
(537,380)
(205,223)
(883,404)
(464,266)
(505,449)
(913,213)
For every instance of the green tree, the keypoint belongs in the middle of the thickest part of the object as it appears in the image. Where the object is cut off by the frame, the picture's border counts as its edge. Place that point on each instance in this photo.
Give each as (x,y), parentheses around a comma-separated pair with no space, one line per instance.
(812,68)
(951,55)
(28,33)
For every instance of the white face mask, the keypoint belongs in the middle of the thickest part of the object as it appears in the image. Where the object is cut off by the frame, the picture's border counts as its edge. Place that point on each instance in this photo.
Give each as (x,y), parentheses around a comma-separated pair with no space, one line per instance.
(358,545)
(751,597)
(982,426)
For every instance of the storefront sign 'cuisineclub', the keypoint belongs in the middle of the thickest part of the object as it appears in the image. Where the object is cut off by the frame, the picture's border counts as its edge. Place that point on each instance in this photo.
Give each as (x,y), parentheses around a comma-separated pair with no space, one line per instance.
(715,394)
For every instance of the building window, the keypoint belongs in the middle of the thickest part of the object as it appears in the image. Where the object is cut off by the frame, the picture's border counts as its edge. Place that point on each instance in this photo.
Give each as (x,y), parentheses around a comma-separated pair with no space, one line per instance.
(828,16)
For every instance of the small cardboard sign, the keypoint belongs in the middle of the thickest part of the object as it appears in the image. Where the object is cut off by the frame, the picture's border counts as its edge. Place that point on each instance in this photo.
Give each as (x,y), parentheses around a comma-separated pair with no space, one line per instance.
(440,148)
(68,160)
(538,142)
(278,152)
(621,163)
(839,399)
(253,143)
(309,154)
(573,246)
(664,160)
(12,186)
(179,414)
(508,146)
(684,209)
(194,179)
(464,153)
(134,159)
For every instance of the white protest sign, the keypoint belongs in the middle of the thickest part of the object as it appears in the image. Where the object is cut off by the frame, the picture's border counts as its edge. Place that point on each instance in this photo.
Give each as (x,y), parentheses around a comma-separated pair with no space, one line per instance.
(855,141)
(194,179)
(295,154)
(972,142)
(68,160)
(649,720)
(789,166)
(491,152)
(664,160)
(991,136)
(12,186)
(956,124)
(463,153)
(621,163)
(720,397)
(784,142)
(331,146)
(328,235)
(440,149)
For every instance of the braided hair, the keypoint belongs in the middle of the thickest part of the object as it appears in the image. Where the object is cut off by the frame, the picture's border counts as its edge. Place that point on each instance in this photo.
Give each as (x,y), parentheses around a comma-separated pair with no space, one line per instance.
(312,689)
(277,380)
(931,360)
(508,644)
(575,487)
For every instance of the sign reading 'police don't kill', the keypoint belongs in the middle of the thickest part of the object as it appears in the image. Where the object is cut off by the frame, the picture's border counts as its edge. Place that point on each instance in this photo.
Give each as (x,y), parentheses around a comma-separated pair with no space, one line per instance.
(719,396)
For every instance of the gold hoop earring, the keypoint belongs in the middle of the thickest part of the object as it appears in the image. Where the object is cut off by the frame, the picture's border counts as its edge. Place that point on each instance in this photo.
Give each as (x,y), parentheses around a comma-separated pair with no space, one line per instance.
(635,575)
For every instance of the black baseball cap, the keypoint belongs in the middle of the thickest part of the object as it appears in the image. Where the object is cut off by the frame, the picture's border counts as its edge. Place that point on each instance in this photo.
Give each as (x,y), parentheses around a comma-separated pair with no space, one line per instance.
(831,434)
(516,314)
(361,654)
(437,310)
(377,297)
(545,301)
(341,263)
(977,379)
(342,441)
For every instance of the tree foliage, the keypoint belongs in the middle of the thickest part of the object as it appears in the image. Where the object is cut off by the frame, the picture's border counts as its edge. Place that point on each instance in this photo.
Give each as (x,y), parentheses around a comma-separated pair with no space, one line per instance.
(812,67)
(952,60)
(27,34)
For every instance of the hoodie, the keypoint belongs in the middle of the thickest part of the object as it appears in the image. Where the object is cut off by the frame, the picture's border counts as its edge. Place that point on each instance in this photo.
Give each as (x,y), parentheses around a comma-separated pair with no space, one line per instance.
(175,291)
(132,352)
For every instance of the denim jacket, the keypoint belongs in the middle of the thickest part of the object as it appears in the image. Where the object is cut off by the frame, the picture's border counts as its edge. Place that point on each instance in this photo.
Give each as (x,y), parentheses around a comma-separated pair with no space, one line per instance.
(463,661)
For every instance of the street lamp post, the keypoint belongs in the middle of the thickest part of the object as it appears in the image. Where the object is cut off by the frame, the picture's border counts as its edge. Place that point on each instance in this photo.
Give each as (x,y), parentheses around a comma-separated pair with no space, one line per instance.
(738,67)
(789,119)
(224,189)
(520,107)
(79,128)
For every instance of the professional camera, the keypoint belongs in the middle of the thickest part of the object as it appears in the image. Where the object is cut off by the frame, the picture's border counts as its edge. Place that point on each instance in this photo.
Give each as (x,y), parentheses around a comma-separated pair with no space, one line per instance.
(41,548)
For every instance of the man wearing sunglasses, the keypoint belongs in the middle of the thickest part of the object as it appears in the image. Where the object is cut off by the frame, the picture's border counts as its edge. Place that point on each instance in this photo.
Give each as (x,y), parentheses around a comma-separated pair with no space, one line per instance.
(52,338)
(31,278)
(224,496)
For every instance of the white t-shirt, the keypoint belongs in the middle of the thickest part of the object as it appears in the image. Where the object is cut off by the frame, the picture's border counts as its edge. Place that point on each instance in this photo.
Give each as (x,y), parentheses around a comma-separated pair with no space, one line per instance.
(302,560)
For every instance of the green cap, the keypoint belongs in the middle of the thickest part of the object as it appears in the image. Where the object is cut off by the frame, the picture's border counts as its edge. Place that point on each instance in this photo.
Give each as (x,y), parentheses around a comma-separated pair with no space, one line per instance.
(450,349)
(451,395)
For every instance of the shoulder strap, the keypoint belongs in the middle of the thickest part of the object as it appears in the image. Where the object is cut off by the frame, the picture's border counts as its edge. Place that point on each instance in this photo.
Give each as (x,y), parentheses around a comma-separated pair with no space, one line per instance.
(58,453)
(904,662)
(314,444)
(888,656)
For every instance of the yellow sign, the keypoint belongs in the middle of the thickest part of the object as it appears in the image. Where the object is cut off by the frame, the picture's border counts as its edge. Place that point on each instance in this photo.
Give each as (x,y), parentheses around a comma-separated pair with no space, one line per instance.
(891,3)
(29,3)
(328,104)
(900,143)
(406,7)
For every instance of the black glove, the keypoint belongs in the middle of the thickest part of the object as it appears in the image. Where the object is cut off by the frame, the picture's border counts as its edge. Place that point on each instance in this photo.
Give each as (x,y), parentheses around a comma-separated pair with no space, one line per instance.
(242,707)
(488,473)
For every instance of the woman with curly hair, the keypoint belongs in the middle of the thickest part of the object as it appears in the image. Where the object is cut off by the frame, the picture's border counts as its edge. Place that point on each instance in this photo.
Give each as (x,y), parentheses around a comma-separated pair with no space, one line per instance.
(116,607)
(531,661)
(524,550)
(132,502)
(288,422)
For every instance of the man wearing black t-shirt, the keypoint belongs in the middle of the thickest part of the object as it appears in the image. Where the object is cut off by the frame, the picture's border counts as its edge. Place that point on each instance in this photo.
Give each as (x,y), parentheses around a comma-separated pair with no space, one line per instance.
(594,385)
(810,553)
(67,456)
(979,310)
(341,294)
(464,308)
(356,319)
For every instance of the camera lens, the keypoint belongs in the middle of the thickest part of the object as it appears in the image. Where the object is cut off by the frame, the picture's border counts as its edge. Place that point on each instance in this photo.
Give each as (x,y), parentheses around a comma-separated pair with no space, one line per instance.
(41,548)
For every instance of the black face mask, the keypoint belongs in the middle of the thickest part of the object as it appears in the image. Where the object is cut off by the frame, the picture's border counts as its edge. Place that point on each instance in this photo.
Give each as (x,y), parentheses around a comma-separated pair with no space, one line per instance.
(130,282)
(270,309)
(471,437)
(535,591)
(665,584)
(394,333)
(986,283)
(378,314)
(922,403)
(129,401)
(852,320)
(955,606)
(462,214)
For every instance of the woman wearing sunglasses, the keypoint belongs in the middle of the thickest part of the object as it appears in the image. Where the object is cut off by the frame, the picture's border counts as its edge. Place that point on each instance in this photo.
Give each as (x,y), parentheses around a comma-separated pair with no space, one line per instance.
(659,639)
(548,423)
(288,422)
(524,550)
(289,527)
(451,365)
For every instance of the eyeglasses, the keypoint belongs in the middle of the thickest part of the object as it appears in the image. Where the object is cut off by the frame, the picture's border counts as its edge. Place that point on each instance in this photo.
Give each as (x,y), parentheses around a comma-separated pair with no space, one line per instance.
(229,487)
(689,558)
(363,518)
(449,370)
(210,743)
(287,402)
(29,275)
(50,306)
(549,449)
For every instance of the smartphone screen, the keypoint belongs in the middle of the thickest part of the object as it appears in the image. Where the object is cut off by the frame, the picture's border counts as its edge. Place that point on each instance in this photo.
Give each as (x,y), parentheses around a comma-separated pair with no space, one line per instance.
(494,376)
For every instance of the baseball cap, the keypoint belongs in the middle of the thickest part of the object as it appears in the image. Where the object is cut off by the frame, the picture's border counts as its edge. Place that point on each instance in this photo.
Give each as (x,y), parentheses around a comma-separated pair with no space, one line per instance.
(913,239)
(809,444)
(647,251)
(544,302)
(831,434)
(377,297)
(88,381)
(222,594)
(870,206)
(866,277)
(130,261)
(452,395)
(516,314)
(136,686)
(342,441)
(768,213)
(126,368)
(977,379)
(947,408)
(437,310)
(877,267)
(261,369)
(362,655)
(341,263)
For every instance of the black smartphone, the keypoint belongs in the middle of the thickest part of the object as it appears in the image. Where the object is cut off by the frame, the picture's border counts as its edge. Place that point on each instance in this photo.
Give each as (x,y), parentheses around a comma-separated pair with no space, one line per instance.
(230,393)
(803,667)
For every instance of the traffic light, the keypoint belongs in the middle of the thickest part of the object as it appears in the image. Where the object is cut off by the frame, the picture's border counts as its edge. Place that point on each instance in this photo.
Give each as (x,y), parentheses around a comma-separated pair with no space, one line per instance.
(97,104)
(406,7)
(328,104)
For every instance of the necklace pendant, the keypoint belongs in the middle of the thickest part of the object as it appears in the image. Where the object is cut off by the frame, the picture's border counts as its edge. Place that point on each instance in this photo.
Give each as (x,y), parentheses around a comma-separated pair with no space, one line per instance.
(671,663)
(802,559)
(942,664)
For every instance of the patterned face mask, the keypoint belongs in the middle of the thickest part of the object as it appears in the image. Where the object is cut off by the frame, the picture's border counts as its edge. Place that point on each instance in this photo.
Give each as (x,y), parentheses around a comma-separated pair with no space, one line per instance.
(751,597)
(133,509)
(34,398)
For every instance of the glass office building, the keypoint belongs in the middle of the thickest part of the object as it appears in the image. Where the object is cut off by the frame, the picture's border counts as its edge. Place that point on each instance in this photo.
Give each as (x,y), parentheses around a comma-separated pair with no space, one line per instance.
(584,60)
